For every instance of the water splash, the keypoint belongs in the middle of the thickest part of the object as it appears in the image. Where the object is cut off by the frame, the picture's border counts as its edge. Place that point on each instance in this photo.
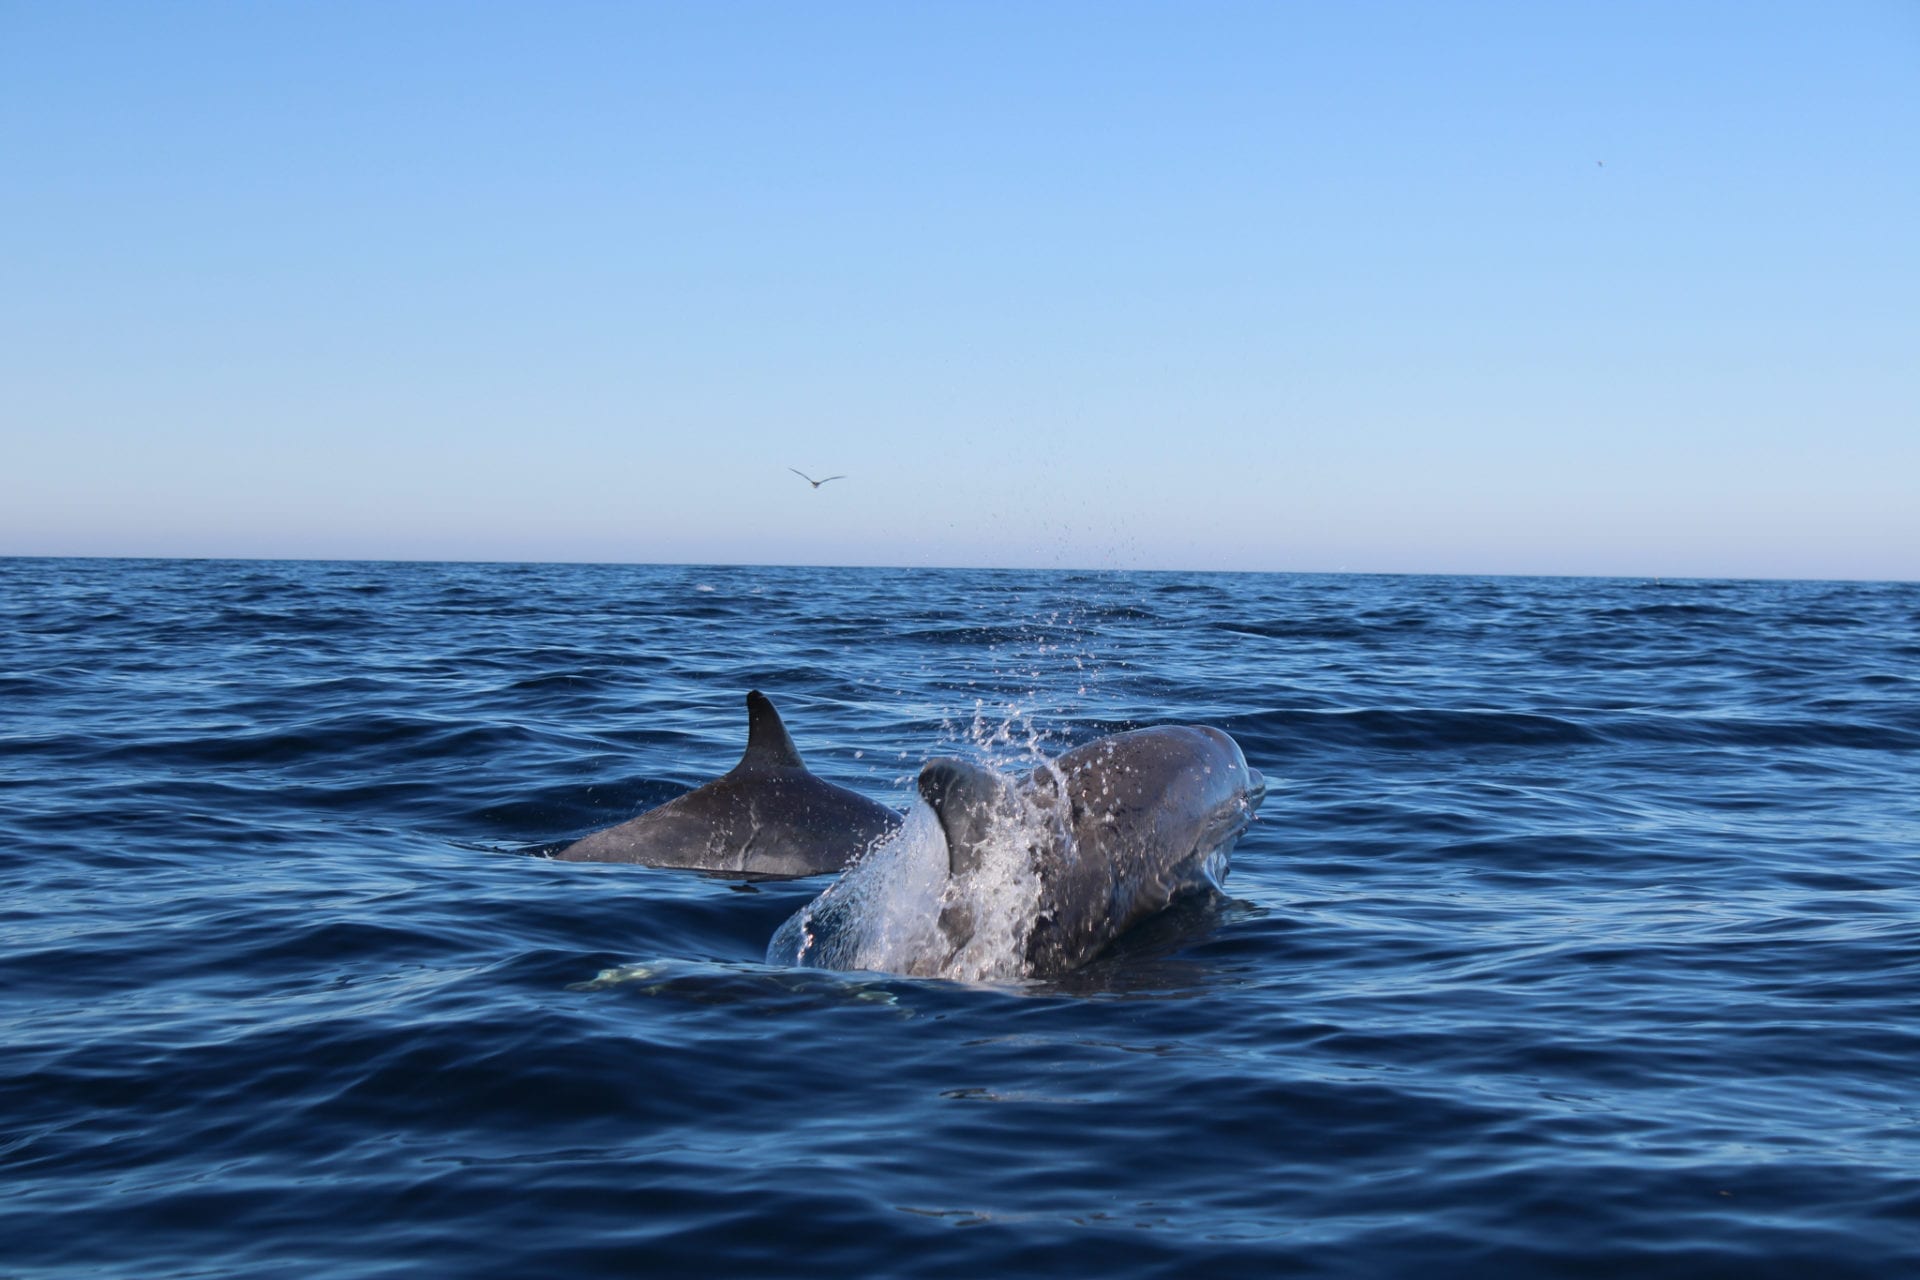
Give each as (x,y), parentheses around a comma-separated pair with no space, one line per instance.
(899,910)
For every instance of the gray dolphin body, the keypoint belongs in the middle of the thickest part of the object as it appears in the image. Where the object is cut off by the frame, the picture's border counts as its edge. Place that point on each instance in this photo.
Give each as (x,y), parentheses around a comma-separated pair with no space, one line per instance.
(767,816)
(1108,834)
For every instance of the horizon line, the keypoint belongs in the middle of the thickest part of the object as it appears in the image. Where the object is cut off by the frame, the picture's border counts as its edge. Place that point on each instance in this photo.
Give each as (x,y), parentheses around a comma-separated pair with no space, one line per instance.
(954,568)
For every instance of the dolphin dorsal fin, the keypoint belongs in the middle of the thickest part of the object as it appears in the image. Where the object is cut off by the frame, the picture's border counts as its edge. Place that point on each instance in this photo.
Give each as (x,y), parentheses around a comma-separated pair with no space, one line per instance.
(964,797)
(768,746)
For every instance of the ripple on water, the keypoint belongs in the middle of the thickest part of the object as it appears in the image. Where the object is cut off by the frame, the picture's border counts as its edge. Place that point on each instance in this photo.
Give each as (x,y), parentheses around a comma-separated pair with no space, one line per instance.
(1578,934)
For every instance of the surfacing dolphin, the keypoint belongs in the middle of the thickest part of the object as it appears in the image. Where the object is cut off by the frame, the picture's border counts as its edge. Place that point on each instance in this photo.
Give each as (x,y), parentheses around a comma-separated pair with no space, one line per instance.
(768,816)
(1000,878)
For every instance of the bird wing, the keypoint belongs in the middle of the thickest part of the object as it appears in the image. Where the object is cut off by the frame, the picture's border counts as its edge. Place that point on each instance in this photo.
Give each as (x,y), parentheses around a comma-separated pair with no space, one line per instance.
(833,478)
(804,476)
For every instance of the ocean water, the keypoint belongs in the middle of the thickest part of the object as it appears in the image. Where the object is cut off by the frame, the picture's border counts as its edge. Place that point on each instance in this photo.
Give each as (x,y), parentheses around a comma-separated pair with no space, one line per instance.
(1579,933)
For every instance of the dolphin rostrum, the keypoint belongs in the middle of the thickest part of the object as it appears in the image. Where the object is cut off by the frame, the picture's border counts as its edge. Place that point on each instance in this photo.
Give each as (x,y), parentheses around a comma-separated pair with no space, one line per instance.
(1034,877)
(768,816)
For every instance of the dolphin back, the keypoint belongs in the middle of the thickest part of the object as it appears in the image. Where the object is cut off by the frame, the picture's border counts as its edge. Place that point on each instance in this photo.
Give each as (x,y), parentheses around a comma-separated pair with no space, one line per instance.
(767,816)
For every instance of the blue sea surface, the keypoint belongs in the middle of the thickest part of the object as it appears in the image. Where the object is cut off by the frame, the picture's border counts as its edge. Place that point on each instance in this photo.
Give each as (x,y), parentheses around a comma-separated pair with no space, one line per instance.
(1579,934)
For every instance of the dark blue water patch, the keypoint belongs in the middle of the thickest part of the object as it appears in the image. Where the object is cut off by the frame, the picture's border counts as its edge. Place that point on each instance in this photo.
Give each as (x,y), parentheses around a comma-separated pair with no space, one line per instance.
(1334,631)
(969,635)
(1673,610)
(1578,934)
(1419,729)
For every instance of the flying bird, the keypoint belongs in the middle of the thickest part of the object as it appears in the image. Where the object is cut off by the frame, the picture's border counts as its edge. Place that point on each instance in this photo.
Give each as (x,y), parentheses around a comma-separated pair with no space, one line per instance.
(810,480)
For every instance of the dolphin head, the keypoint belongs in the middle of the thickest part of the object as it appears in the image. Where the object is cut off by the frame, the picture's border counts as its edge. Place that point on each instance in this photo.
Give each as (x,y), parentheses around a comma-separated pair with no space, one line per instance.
(1252,783)
(1233,796)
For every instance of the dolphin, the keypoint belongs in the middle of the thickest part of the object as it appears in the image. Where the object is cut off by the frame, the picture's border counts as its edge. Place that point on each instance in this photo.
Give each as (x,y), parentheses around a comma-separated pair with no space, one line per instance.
(767,816)
(1034,877)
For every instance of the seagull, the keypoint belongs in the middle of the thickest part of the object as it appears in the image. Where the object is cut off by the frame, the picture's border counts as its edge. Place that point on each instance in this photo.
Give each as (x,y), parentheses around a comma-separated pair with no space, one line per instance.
(810,480)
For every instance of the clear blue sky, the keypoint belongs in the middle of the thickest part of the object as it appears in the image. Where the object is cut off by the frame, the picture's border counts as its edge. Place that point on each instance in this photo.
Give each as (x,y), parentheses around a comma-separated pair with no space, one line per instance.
(1506,287)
